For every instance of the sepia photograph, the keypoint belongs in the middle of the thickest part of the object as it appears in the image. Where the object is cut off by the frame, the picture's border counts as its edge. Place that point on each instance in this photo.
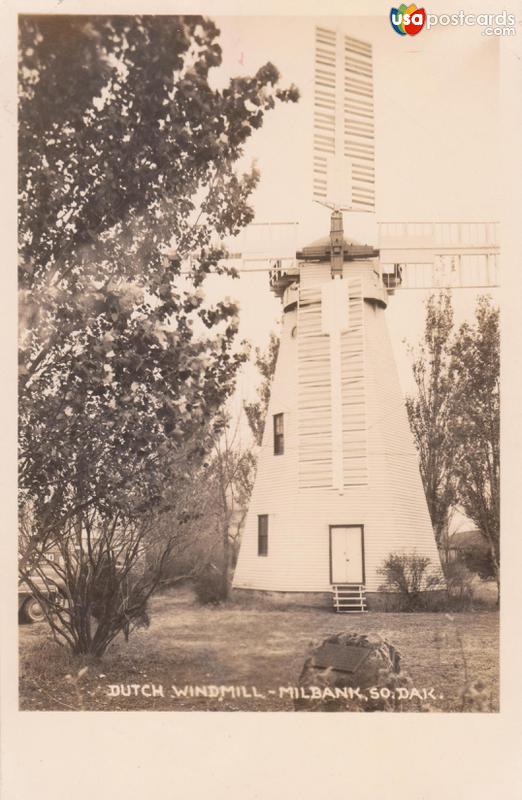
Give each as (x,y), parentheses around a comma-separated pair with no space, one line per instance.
(259,362)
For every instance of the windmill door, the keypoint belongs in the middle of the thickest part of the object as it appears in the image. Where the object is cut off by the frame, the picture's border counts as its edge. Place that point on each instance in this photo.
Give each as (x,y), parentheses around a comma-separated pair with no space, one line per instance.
(346,554)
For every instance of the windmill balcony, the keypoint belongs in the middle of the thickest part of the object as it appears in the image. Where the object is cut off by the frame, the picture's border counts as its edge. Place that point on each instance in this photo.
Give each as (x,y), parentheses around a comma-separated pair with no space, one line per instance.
(283,273)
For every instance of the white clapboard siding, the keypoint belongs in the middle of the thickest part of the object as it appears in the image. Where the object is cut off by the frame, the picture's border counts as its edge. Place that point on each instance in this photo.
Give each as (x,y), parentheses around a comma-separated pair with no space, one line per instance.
(355,464)
(390,505)
(313,394)
(312,274)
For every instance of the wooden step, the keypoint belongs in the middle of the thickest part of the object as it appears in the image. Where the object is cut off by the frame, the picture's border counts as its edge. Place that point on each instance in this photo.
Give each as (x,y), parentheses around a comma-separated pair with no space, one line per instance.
(349,598)
(350,603)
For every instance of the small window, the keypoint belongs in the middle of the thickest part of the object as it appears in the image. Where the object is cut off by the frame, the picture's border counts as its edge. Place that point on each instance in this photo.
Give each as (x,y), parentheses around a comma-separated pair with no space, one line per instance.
(279,435)
(262,535)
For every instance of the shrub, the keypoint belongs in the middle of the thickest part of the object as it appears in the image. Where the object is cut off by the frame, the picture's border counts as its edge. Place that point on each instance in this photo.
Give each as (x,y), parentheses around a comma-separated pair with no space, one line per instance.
(478,561)
(208,585)
(459,581)
(410,582)
(410,575)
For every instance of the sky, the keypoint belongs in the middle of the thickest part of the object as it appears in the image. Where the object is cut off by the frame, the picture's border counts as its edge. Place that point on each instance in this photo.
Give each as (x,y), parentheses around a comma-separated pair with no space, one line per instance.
(437,146)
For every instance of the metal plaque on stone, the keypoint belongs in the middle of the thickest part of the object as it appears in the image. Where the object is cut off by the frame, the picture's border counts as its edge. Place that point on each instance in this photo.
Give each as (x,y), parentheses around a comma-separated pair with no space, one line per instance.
(340,657)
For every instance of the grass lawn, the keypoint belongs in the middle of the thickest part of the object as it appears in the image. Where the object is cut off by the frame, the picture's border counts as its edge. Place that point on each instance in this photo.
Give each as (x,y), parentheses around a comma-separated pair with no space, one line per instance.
(261,647)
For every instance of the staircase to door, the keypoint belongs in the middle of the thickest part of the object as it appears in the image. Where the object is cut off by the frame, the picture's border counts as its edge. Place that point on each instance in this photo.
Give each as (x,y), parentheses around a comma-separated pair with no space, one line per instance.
(347,568)
(349,598)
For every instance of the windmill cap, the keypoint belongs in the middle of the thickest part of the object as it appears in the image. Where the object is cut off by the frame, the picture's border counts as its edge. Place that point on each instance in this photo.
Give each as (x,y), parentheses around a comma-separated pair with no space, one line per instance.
(320,250)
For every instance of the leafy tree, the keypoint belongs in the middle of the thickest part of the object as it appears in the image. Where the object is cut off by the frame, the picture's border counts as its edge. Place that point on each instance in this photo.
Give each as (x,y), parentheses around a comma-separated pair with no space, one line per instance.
(232,474)
(211,508)
(224,485)
(459,580)
(476,423)
(256,411)
(430,412)
(126,176)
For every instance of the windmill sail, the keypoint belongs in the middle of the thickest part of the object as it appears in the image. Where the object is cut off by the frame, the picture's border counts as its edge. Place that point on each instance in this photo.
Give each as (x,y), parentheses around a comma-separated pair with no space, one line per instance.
(343,125)
(320,439)
(431,255)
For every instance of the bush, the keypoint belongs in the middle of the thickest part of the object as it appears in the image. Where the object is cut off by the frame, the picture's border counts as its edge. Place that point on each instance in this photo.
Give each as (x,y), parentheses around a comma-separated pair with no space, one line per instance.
(208,585)
(478,561)
(459,581)
(411,585)
(410,576)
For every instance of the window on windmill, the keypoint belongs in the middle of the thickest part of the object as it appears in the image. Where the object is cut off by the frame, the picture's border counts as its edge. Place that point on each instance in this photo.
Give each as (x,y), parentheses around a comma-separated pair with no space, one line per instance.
(279,435)
(262,535)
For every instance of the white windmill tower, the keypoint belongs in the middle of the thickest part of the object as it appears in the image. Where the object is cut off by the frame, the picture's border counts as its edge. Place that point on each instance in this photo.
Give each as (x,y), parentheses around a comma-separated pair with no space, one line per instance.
(338,486)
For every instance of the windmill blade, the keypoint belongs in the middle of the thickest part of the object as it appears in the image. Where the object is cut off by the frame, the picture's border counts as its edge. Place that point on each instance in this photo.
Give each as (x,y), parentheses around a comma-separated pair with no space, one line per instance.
(261,243)
(343,123)
(359,139)
(432,255)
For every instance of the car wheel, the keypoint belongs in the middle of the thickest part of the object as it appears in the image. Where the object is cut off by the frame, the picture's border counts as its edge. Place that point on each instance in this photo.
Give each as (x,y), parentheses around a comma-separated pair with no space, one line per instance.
(32,610)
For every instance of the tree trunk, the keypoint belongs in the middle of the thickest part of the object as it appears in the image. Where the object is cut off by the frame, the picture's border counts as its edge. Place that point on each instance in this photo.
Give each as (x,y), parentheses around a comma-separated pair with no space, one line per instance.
(497,577)
(226,560)
(494,558)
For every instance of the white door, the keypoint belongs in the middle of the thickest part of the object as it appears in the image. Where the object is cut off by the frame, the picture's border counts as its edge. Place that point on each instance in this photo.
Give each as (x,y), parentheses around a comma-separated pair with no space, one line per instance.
(347,554)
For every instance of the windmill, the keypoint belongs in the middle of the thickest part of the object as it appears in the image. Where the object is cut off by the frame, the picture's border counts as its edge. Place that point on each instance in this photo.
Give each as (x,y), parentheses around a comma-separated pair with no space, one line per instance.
(338,486)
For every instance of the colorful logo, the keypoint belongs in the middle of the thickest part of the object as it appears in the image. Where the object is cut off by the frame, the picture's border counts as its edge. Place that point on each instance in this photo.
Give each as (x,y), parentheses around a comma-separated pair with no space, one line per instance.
(407,19)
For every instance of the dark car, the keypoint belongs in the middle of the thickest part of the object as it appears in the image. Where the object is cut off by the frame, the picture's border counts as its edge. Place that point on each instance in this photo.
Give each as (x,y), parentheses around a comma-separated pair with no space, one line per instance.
(29,608)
